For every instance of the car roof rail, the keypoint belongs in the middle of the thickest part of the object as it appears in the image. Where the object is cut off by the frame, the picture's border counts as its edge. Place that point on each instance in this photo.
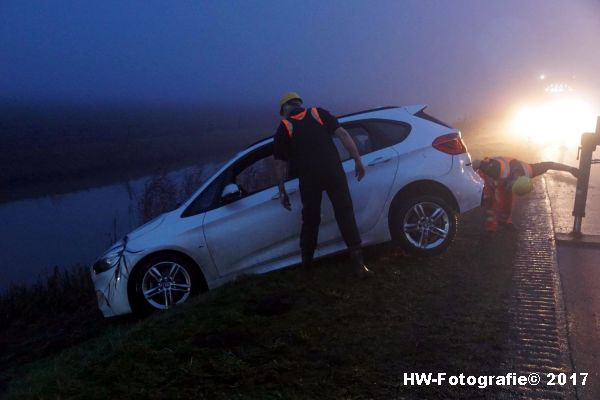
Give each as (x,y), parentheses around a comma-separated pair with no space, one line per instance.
(259,141)
(367,111)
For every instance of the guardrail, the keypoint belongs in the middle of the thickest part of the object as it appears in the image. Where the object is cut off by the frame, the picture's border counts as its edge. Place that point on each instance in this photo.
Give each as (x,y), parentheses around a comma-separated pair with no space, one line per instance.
(589,141)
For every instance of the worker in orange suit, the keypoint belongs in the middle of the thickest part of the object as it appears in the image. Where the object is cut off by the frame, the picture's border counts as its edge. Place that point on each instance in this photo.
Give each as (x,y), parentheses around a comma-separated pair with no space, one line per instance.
(505,176)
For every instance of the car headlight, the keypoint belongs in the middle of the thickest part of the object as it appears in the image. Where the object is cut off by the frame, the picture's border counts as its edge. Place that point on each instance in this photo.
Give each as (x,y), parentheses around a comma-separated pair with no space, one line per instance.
(110,259)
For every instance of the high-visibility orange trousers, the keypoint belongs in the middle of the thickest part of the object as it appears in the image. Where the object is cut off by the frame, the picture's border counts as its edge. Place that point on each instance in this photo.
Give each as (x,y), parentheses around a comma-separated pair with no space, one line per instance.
(497,203)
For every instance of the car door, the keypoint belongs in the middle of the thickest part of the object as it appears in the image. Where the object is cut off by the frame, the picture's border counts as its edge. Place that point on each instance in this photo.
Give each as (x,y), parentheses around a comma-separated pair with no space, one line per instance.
(371,193)
(255,230)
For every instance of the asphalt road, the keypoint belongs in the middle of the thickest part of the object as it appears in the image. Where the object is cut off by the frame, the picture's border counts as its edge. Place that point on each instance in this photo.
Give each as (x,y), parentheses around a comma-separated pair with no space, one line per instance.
(580,278)
(580,275)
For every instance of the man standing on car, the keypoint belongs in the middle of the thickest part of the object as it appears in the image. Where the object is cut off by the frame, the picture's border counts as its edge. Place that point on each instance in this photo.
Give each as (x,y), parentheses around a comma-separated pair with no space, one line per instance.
(304,138)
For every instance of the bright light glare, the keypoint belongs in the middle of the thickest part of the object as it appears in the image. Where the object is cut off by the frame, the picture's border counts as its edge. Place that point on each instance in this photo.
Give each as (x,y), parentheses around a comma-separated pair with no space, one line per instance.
(558,88)
(557,122)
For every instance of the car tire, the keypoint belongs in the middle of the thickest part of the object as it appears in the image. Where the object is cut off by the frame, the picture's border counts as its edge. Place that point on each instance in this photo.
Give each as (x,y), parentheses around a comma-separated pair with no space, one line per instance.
(163,281)
(423,225)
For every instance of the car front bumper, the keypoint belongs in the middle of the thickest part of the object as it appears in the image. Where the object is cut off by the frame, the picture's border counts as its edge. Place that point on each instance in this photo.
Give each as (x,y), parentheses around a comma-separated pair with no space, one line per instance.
(111,291)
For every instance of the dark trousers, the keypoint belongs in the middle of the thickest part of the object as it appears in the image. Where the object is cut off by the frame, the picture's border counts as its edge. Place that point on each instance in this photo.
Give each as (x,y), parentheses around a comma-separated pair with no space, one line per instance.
(311,193)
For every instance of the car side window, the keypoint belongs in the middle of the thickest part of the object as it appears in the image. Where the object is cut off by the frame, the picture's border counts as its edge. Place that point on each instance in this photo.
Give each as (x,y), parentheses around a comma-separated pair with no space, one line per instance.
(386,133)
(257,176)
(361,139)
(252,173)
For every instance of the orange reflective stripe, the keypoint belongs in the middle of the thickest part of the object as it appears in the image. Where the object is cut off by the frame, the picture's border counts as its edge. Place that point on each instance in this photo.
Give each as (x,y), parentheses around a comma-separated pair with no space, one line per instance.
(503,169)
(504,166)
(299,116)
(315,113)
(288,126)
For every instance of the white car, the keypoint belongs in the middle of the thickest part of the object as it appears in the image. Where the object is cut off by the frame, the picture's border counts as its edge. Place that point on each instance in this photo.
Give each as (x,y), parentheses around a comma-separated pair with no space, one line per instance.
(418,178)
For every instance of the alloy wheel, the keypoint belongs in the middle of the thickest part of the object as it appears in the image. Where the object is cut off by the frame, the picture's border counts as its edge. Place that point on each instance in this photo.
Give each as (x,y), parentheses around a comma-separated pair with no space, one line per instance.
(426,225)
(165,284)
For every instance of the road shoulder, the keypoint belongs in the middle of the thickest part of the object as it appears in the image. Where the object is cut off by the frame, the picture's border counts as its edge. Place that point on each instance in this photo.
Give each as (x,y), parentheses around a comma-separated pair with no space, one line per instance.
(538,340)
(580,278)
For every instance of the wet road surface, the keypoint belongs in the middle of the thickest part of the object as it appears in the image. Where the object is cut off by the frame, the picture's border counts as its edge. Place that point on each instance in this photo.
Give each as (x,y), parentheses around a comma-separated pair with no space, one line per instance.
(580,276)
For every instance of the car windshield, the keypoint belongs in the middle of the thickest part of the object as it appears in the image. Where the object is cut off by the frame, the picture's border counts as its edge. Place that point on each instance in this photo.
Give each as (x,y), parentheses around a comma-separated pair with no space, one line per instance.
(252,172)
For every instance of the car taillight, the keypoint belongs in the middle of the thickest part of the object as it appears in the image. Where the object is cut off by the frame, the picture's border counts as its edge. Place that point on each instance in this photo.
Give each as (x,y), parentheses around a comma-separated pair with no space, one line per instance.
(450,144)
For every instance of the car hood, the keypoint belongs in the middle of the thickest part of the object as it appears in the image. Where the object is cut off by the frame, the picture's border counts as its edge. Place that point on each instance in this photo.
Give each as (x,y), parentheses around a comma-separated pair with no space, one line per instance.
(147,227)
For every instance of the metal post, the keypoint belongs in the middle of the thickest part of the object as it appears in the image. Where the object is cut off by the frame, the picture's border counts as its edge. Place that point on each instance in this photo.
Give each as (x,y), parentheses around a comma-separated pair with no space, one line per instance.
(589,141)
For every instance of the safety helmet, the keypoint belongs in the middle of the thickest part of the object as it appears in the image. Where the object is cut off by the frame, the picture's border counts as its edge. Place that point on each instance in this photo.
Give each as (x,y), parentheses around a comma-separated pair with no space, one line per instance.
(289,96)
(522,186)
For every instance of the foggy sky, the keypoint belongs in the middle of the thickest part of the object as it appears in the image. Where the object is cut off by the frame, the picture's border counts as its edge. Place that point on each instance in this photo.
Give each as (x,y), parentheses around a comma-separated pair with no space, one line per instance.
(461,57)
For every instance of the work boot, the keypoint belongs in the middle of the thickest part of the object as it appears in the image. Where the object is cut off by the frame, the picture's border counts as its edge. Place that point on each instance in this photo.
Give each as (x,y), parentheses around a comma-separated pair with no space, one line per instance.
(358,265)
(307,259)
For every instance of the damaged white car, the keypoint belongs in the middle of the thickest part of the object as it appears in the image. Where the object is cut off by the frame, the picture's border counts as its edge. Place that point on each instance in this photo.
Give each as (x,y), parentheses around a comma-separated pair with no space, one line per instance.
(418,179)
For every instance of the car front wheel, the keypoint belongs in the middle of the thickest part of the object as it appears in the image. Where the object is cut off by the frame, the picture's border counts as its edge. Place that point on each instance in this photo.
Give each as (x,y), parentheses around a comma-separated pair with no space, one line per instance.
(423,225)
(163,282)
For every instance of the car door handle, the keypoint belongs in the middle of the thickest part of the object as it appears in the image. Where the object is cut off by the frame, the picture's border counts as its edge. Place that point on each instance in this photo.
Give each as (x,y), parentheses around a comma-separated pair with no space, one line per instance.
(289,192)
(378,160)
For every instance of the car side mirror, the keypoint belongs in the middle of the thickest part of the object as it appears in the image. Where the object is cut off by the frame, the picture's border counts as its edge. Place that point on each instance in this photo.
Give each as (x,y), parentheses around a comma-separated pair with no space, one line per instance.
(231,192)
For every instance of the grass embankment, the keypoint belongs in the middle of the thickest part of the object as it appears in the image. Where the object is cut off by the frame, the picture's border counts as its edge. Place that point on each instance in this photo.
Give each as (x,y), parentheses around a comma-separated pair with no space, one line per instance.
(295,334)
(42,319)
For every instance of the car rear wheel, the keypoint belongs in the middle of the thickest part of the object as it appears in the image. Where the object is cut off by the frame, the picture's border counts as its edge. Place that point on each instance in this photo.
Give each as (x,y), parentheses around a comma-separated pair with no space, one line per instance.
(423,225)
(164,281)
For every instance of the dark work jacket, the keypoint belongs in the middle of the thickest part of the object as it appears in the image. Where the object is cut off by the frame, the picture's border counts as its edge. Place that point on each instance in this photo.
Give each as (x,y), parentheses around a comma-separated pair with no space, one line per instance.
(310,147)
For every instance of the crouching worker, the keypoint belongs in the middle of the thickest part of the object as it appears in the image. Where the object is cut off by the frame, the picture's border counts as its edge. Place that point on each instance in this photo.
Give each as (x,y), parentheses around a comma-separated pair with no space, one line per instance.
(504,177)
(305,139)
